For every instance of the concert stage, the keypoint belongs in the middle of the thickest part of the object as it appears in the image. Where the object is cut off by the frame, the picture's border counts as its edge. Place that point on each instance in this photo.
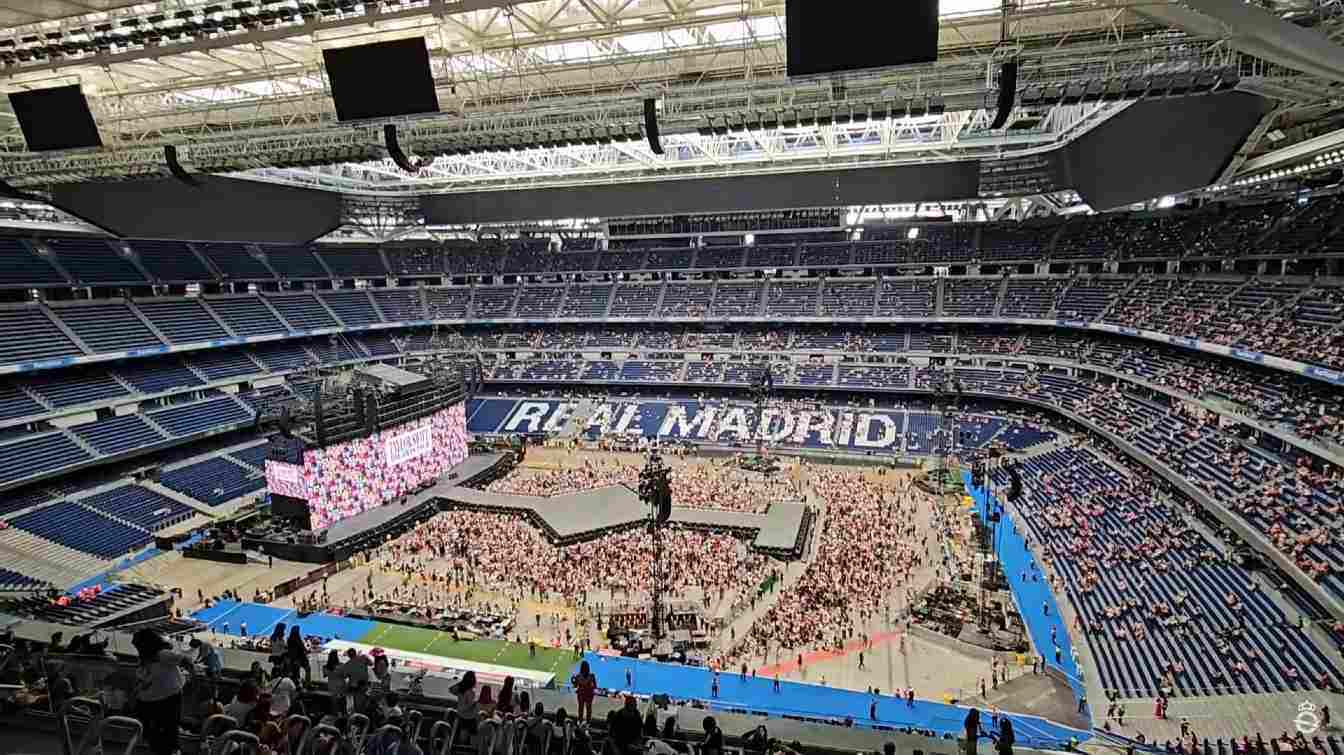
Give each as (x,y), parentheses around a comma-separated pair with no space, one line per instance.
(349,536)
(575,517)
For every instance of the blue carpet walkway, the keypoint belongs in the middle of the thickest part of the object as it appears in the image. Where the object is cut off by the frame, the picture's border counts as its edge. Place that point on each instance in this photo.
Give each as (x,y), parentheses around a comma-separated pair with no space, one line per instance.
(1040,611)
(228,617)
(757,695)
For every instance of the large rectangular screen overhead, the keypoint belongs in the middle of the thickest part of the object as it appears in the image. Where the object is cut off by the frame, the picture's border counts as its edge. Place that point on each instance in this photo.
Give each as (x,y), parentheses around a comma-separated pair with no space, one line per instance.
(55,118)
(834,36)
(381,80)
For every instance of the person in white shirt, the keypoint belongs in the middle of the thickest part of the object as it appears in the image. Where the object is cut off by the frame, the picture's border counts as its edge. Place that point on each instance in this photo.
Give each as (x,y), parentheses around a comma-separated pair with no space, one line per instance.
(282,696)
(159,685)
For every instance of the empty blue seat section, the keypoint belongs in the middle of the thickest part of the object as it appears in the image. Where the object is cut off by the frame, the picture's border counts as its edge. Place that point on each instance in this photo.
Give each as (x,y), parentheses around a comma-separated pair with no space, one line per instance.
(399,304)
(331,352)
(353,262)
(494,301)
(92,260)
(353,307)
(19,264)
(108,327)
(118,434)
(30,335)
(293,262)
(182,320)
(490,414)
(37,454)
(82,529)
(283,356)
(171,261)
(380,343)
(539,301)
(302,311)
(234,262)
(586,301)
(254,456)
(247,315)
(213,481)
(199,417)
(218,364)
(24,497)
(158,375)
(448,303)
(139,506)
(15,403)
(69,388)
(415,260)
(11,580)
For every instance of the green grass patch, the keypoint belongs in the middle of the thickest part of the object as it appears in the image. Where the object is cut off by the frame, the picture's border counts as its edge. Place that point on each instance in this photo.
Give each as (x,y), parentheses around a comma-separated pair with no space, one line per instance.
(442,644)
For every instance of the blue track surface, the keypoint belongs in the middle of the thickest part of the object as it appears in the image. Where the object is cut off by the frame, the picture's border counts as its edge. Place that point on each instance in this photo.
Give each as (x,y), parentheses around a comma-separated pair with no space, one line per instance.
(1031,594)
(806,700)
(261,620)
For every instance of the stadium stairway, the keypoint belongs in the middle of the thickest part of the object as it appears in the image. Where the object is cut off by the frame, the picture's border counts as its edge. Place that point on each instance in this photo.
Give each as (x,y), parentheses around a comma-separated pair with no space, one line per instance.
(44,560)
(185,500)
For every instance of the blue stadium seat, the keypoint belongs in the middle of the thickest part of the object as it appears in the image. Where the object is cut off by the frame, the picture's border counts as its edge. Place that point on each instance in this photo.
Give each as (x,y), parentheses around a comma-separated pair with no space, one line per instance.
(493,301)
(279,357)
(213,481)
(93,261)
(35,454)
(202,416)
(246,315)
(353,262)
(19,264)
(302,311)
(140,507)
(218,364)
(79,386)
(448,303)
(170,261)
(294,262)
(31,335)
(353,307)
(398,305)
(157,375)
(15,402)
(82,529)
(181,320)
(118,434)
(235,262)
(107,327)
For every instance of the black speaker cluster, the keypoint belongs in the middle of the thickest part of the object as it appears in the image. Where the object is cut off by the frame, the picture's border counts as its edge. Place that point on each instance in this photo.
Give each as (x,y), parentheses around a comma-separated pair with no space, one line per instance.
(566,137)
(1133,88)
(914,107)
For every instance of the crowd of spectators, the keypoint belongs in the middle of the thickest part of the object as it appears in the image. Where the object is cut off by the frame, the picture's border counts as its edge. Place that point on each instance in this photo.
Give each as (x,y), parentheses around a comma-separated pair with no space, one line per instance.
(695,485)
(850,580)
(503,554)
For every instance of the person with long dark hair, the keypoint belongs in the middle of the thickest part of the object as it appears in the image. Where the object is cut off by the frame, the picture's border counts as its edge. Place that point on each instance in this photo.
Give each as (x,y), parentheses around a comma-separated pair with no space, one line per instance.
(585,689)
(277,649)
(159,690)
(296,654)
(468,709)
(1006,740)
(972,730)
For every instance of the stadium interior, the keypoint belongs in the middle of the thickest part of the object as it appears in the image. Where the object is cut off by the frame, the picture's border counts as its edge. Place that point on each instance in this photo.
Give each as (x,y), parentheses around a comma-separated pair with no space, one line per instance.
(559,377)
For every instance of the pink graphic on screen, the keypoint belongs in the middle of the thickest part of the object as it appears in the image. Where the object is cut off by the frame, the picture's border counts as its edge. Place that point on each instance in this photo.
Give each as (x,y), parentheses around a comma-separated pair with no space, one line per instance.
(285,479)
(350,478)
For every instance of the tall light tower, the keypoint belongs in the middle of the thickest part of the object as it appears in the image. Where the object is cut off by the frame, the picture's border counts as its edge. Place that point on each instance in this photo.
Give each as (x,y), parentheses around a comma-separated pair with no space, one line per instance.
(655,489)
